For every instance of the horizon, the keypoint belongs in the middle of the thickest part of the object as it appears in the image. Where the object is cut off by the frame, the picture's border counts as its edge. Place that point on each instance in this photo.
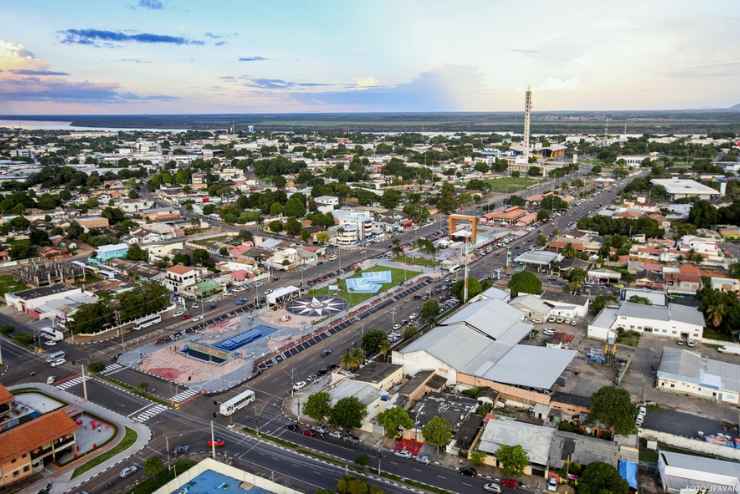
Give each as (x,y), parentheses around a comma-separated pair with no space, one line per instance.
(178,57)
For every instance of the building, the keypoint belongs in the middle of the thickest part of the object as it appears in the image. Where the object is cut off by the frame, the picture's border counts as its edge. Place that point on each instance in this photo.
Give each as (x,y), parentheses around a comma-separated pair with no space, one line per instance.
(566,305)
(49,302)
(636,160)
(679,471)
(686,372)
(179,279)
(111,251)
(680,188)
(326,204)
(535,439)
(506,215)
(672,321)
(479,346)
(210,476)
(360,219)
(29,442)
(539,260)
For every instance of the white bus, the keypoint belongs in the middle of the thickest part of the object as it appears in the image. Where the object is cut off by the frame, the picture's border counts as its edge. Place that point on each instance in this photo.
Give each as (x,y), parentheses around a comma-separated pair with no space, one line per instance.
(147,321)
(238,402)
(51,334)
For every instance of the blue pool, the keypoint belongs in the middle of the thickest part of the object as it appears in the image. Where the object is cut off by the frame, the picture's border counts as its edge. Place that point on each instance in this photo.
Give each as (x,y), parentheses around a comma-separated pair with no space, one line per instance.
(210,482)
(245,338)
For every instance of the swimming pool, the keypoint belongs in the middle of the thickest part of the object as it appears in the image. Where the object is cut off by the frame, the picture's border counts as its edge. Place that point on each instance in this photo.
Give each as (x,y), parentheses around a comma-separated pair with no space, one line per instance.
(245,338)
(210,482)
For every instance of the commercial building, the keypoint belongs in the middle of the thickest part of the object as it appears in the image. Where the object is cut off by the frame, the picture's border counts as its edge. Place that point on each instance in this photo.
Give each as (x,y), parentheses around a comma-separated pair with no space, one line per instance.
(671,321)
(539,260)
(210,476)
(29,441)
(687,372)
(679,471)
(49,302)
(680,188)
(111,251)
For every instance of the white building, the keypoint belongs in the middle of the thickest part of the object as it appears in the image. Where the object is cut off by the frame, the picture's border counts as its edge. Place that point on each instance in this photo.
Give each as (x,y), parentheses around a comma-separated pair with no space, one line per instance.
(679,471)
(687,372)
(326,204)
(635,160)
(180,279)
(679,188)
(672,321)
(361,219)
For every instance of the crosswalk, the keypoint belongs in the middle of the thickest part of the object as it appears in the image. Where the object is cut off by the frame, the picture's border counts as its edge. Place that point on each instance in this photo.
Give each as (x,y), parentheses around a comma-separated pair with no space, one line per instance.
(72,383)
(184,396)
(149,413)
(112,369)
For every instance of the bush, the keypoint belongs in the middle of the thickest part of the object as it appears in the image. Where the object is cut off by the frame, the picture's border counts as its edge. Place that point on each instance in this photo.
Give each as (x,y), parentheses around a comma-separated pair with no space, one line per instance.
(96,367)
(362,460)
(6,329)
(24,339)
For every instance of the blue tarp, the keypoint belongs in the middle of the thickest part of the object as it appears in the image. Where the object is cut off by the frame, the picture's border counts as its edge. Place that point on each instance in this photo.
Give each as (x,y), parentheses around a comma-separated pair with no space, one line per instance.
(628,471)
(238,341)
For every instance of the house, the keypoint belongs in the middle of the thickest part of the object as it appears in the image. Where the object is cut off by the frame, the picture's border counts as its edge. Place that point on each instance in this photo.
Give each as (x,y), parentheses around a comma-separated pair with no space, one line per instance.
(566,305)
(326,204)
(93,222)
(534,308)
(535,439)
(31,441)
(179,279)
(672,321)
(687,372)
(729,285)
(284,259)
(679,471)
(376,400)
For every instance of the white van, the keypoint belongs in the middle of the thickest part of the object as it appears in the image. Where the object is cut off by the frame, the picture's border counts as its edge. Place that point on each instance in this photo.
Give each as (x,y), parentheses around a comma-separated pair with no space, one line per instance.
(55,356)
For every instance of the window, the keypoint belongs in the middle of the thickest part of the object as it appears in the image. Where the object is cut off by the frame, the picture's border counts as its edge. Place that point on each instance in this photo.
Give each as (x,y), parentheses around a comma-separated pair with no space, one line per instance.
(26,468)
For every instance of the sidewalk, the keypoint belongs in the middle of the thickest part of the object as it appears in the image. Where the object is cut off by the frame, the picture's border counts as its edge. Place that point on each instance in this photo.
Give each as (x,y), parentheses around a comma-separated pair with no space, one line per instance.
(63,481)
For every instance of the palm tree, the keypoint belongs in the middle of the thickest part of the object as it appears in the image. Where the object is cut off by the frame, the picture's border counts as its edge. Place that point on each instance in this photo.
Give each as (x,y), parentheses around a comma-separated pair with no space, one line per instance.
(716,311)
(353,358)
(384,347)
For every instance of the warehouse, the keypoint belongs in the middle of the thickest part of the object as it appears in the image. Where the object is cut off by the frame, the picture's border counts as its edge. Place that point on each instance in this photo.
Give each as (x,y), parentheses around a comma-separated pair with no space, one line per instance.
(684,371)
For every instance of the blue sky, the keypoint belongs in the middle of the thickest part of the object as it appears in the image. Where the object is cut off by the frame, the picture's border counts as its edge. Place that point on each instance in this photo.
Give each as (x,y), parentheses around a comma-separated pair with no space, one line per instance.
(182,56)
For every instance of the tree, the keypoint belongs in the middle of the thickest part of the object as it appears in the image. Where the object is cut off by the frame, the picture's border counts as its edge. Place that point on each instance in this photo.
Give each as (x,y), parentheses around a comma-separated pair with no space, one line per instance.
(136,253)
(276,226)
(517,201)
(429,310)
(524,282)
(353,485)
(474,287)
(599,303)
(477,458)
(437,432)
(293,227)
(348,413)
(394,420)
(636,299)
(353,358)
(372,341)
(391,198)
(153,466)
(601,478)
(295,207)
(513,459)
(541,240)
(612,407)
(576,279)
(703,214)
(543,215)
(318,406)
(201,257)
(447,201)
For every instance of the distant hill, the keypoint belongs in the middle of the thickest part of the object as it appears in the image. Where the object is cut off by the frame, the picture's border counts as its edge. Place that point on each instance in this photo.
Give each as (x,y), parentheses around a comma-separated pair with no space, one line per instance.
(736,107)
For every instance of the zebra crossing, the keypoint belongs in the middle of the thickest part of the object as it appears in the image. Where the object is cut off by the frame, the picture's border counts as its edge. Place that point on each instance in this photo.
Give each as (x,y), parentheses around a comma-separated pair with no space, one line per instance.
(184,396)
(149,413)
(72,383)
(111,369)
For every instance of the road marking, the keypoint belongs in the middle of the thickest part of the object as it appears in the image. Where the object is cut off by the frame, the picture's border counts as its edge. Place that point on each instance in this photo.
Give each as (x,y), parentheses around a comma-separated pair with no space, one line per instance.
(72,383)
(184,395)
(112,369)
(150,413)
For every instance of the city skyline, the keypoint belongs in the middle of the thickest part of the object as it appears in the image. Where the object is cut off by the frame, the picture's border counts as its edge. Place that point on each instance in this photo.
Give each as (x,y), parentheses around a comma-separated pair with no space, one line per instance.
(174,56)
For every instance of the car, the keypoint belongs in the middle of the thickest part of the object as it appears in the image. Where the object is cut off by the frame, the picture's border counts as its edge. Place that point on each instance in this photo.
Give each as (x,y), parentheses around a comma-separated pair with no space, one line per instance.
(326,352)
(268,291)
(309,433)
(413,316)
(335,434)
(51,380)
(403,453)
(299,385)
(58,362)
(548,332)
(293,427)
(680,342)
(424,459)
(552,485)
(510,483)
(128,471)
(492,487)
(183,449)
(468,471)
(185,317)
(690,343)
(217,443)
(50,343)
(396,326)
(199,317)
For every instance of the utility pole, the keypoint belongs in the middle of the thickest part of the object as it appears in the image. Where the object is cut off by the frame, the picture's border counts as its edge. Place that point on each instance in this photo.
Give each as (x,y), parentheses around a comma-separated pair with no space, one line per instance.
(84,381)
(167,447)
(213,442)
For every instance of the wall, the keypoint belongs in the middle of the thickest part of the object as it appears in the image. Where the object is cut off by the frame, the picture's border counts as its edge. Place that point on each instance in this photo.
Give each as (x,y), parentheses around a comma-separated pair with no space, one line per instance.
(508,392)
(676,386)
(693,445)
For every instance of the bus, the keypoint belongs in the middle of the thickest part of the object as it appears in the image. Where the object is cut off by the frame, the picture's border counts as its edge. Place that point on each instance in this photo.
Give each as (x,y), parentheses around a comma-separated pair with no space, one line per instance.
(147,321)
(55,356)
(238,402)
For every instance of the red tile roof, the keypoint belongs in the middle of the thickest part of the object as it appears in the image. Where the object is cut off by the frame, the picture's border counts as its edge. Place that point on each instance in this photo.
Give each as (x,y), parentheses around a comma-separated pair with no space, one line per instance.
(35,434)
(5,395)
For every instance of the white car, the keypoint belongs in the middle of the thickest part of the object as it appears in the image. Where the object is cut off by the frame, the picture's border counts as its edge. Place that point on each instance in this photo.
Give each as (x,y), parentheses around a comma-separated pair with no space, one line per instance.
(548,332)
(58,362)
(268,291)
(396,326)
(413,316)
(128,471)
(403,454)
(299,385)
(492,487)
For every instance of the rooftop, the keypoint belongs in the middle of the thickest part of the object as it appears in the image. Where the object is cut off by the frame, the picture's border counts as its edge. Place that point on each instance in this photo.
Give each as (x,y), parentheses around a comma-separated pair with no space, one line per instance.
(688,366)
(42,291)
(180,269)
(535,439)
(374,372)
(701,465)
(539,257)
(671,312)
(684,186)
(34,434)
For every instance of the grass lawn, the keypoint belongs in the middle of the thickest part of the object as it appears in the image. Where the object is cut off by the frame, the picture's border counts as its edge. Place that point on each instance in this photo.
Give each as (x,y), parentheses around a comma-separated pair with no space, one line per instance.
(8,284)
(416,261)
(128,440)
(353,299)
(629,338)
(713,334)
(511,184)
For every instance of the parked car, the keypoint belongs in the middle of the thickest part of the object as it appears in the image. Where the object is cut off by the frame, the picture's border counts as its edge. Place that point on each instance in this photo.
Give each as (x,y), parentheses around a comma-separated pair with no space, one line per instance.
(548,332)
(552,485)
(128,471)
(403,454)
(335,434)
(183,449)
(58,362)
(510,483)
(492,487)
(293,427)
(326,352)
(219,443)
(51,380)
(424,459)
(468,471)
(309,433)
(299,385)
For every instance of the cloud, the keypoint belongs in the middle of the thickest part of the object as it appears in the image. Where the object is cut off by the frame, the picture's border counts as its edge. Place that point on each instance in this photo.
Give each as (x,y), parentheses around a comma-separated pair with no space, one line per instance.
(38,72)
(99,37)
(151,4)
(254,58)
(8,49)
(34,89)
(282,84)
(134,60)
(727,69)
(525,51)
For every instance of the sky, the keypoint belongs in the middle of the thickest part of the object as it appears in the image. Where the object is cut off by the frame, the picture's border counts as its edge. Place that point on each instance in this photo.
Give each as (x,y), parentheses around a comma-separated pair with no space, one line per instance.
(223,56)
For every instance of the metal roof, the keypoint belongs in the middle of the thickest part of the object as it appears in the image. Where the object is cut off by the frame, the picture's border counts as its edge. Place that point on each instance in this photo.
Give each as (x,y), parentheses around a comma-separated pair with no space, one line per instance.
(691,367)
(539,257)
(535,439)
(497,319)
(684,186)
(701,464)
(531,366)
(671,312)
